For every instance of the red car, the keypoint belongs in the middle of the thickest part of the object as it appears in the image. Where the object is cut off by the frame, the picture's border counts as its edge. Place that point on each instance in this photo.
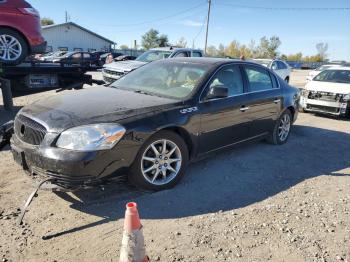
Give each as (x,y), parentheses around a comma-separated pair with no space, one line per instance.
(20,31)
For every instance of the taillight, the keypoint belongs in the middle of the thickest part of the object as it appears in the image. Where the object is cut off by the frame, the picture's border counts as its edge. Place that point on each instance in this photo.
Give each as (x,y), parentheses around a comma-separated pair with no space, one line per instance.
(29,11)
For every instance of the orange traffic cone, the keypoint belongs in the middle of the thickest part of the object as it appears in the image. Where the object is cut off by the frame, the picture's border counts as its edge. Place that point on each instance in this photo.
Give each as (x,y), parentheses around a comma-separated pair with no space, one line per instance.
(133,247)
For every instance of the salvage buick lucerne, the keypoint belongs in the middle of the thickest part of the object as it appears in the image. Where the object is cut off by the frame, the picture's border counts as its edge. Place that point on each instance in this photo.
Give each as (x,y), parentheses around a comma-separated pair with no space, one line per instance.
(152,122)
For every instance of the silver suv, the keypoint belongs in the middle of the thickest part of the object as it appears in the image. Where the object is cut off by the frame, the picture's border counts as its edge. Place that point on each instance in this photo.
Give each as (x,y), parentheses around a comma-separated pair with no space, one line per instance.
(115,70)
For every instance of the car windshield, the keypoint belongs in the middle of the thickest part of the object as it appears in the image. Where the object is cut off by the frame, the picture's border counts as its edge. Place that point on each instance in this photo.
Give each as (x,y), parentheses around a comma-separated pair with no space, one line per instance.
(336,76)
(324,67)
(153,55)
(263,62)
(174,80)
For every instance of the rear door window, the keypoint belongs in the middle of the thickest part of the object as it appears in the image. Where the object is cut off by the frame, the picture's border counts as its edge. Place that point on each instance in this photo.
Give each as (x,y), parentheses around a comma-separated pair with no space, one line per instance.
(281,65)
(258,78)
(196,54)
(181,54)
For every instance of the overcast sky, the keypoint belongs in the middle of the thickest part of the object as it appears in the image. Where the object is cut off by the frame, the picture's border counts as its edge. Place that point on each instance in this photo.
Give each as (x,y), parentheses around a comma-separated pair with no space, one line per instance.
(298,26)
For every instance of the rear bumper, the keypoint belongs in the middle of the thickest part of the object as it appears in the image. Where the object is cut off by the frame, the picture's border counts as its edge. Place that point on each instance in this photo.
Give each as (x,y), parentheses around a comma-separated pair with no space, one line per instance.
(39,49)
(325,107)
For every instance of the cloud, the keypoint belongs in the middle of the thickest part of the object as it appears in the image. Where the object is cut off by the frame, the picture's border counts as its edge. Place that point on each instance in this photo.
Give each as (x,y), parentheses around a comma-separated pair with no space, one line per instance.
(192,23)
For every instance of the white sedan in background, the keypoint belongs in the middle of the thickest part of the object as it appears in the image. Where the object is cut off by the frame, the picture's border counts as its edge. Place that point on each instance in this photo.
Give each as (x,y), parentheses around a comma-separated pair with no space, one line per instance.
(281,68)
(328,92)
(318,70)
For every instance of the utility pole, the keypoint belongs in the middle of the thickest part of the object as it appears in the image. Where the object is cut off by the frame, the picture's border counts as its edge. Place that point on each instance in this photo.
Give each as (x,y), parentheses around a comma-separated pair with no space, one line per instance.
(66,17)
(206,33)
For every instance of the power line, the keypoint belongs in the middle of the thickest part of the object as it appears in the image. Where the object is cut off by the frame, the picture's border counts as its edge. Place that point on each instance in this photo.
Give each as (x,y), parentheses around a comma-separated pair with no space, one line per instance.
(158,19)
(287,8)
(124,30)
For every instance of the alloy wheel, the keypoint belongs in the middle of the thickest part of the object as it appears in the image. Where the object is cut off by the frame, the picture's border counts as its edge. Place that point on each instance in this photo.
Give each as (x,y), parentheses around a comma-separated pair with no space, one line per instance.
(284,127)
(161,162)
(10,48)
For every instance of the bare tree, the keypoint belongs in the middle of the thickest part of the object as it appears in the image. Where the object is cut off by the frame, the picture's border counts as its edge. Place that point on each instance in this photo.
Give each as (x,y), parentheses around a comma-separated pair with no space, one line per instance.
(322,50)
(181,42)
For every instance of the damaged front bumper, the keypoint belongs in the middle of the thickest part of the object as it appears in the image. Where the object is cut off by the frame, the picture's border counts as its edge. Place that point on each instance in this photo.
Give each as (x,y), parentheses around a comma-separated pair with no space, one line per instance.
(72,169)
(337,108)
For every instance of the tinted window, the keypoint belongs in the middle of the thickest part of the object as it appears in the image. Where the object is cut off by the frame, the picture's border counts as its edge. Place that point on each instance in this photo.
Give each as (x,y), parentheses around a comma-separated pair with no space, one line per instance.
(230,77)
(196,54)
(76,55)
(258,78)
(181,54)
(274,66)
(281,65)
(86,55)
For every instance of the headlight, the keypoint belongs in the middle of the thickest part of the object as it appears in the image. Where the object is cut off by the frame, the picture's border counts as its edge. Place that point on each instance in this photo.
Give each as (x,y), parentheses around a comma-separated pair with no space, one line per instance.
(304,92)
(346,97)
(91,137)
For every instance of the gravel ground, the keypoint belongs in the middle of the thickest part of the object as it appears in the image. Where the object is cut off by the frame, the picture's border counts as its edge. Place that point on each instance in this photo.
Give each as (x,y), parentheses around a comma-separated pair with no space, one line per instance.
(257,202)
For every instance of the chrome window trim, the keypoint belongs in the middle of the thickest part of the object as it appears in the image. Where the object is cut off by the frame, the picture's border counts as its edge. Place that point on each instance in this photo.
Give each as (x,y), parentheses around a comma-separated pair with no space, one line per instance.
(200,101)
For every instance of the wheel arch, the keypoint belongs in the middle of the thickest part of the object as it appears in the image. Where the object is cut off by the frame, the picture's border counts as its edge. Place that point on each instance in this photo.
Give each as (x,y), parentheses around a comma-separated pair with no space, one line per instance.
(20,33)
(185,135)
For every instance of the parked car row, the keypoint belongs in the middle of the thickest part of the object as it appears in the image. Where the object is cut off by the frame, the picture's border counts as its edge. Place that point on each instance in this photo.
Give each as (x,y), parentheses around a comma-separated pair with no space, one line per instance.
(114,71)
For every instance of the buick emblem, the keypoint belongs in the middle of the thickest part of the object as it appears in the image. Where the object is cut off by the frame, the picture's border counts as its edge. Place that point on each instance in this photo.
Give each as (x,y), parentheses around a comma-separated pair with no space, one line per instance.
(22,130)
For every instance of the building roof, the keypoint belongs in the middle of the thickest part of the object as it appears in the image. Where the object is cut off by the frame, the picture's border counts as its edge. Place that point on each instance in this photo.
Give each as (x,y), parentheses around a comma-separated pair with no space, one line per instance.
(80,27)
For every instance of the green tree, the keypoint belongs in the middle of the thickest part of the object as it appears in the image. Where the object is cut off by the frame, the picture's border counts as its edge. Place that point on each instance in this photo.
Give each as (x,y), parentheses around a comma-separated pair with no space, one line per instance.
(46,21)
(212,51)
(152,39)
(232,50)
(124,47)
(268,47)
(163,41)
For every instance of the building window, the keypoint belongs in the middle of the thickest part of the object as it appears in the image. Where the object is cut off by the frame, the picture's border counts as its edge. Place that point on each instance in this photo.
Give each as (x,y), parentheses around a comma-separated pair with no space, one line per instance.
(77,49)
(91,50)
(63,48)
(49,48)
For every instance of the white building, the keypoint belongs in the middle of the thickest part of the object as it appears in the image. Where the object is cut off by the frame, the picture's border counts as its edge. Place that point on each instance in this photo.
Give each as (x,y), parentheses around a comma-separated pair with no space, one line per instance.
(72,37)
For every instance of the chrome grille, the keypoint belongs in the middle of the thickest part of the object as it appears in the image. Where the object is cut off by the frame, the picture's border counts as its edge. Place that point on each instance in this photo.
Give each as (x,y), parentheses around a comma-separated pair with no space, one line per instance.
(28,130)
(116,73)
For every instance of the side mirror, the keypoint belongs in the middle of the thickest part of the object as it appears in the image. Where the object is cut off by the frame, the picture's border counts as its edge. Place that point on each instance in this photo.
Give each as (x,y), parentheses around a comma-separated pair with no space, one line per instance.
(218,91)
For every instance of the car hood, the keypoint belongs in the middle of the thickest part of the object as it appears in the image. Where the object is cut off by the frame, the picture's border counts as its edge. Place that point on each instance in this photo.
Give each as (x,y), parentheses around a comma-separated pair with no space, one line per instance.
(338,88)
(124,66)
(94,105)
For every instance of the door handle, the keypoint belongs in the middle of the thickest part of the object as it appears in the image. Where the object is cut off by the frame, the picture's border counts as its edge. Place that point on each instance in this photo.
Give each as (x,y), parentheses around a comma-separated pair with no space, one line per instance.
(244,108)
(276,100)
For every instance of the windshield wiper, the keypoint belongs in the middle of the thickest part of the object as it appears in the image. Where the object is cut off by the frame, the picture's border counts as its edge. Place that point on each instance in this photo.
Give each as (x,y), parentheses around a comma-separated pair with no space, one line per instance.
(143,92)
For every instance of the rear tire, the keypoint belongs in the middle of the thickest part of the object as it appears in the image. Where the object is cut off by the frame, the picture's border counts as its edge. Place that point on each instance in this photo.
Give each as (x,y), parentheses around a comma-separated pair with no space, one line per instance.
(154,166)
(18,50)
(281,130)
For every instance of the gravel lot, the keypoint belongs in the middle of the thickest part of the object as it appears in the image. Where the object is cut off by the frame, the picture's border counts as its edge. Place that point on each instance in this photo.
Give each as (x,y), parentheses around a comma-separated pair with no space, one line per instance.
(253,203)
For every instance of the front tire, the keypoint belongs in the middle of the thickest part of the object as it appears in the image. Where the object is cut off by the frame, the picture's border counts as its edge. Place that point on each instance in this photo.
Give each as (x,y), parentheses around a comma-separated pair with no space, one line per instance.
(282,128)
(13,48)
(160,163)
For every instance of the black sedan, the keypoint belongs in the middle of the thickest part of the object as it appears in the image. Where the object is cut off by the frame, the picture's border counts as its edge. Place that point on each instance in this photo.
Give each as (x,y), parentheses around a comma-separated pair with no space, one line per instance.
(153,121)
(77,57)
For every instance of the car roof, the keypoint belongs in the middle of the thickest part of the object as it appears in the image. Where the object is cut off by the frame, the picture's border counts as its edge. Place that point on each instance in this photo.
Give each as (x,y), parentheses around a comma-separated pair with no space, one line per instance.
(174,48)
(206,60)
(339,68)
